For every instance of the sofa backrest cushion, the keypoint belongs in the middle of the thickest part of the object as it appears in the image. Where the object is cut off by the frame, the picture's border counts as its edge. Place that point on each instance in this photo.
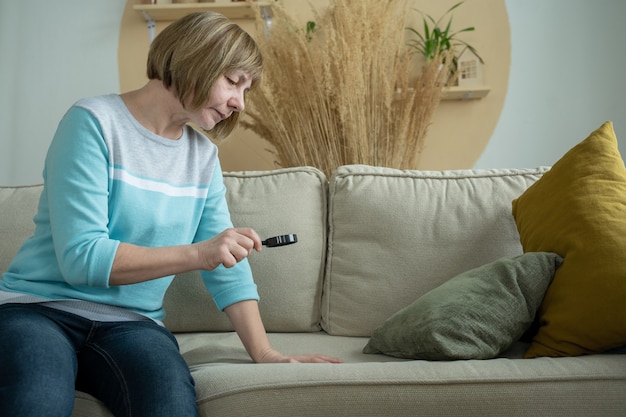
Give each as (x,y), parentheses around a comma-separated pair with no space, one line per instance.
(289,278)
(394,235)
(18,206)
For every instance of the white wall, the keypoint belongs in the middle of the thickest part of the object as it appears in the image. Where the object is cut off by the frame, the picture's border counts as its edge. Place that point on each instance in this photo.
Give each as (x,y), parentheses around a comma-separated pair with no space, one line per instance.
(568,61)
(51,54)
(567,76)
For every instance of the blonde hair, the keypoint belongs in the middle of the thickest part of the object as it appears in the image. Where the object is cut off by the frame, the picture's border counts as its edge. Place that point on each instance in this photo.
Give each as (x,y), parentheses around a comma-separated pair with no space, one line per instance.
(191,54)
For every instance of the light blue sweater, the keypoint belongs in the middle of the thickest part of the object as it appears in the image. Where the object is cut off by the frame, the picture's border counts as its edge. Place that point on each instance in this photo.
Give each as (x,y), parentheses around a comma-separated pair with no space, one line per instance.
(108,180)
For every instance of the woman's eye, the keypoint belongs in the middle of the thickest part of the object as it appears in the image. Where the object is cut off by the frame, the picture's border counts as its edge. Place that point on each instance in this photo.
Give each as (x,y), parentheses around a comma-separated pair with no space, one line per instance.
(231,81)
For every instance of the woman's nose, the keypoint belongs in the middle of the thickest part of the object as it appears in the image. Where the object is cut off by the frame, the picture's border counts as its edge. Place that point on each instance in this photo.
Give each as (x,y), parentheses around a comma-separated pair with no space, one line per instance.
(237,101)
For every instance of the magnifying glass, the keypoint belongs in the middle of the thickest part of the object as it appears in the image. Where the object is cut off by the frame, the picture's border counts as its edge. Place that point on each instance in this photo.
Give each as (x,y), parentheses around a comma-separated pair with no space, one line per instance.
(280,240)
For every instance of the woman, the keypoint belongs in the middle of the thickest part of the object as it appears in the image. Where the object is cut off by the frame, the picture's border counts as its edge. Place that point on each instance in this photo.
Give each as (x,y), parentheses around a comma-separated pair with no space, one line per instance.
(132,196)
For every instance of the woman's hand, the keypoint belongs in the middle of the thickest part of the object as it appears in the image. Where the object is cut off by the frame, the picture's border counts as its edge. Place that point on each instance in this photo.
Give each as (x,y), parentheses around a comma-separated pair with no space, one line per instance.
(246,319)
(273,356)
(227,248)
(133,264)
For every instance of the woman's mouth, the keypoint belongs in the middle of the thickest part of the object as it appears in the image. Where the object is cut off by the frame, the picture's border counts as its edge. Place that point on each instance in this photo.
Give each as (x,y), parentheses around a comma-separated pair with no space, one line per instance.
(221,115)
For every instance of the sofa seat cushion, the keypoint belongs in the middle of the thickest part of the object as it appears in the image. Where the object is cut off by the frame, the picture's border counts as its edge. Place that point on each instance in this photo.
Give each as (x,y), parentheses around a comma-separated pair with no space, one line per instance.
(395,235)
(289,278)
(86,405)
(228,384)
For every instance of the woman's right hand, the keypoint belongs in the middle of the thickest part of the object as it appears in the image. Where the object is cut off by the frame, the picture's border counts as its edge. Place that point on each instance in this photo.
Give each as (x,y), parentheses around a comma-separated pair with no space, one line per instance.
(133,264)
(227,248)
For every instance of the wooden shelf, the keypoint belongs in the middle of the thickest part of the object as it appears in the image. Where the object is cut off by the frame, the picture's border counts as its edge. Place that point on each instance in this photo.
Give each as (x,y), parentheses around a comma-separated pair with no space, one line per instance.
(465,93)
(460,93)
(169,12)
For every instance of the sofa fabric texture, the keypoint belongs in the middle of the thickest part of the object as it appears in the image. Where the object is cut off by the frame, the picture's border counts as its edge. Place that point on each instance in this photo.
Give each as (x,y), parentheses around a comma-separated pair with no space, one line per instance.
(371,241)
(395,235)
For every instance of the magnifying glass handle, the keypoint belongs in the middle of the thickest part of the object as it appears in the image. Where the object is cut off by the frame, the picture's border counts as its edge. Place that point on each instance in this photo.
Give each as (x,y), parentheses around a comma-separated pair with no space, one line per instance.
(280,240)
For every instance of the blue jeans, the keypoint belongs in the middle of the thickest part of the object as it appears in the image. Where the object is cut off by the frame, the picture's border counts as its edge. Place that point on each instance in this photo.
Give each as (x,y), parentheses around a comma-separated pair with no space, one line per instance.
(135,367)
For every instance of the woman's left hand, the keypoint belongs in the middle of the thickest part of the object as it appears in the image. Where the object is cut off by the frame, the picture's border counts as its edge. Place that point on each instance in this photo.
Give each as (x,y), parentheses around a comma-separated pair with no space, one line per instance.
(246,319)
(273,356)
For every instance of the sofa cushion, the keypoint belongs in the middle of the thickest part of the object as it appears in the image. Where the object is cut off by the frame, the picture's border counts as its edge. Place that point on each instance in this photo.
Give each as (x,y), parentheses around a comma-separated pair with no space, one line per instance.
(18,206)
(578,209)
(228,384)
(476,315)
(394,235)
(289,278)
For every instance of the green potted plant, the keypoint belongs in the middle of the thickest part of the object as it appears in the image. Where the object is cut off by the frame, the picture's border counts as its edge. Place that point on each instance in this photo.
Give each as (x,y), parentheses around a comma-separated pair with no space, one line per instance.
(438,40)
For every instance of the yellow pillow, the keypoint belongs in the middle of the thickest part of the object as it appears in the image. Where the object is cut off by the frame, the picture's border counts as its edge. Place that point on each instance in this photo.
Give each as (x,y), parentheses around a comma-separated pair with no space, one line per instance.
(578,210)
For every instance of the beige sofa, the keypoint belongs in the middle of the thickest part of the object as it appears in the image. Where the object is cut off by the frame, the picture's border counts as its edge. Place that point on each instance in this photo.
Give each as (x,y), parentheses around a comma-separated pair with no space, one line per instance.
(371,241)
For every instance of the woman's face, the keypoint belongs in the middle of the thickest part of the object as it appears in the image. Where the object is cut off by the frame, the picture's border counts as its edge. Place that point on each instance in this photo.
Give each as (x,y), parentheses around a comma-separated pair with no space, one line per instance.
(227,96)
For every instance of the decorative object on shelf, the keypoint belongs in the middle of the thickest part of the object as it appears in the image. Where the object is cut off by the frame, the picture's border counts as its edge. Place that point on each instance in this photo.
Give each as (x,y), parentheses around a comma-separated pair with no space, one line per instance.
(343,90)
(470,68)
(437,40)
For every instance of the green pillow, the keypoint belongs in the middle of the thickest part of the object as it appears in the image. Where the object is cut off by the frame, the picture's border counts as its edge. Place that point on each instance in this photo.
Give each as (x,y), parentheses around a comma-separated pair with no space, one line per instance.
(475,315)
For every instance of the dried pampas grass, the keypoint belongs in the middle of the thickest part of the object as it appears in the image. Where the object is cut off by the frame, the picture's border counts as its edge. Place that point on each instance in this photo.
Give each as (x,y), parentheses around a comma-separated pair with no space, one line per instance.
(347,93)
